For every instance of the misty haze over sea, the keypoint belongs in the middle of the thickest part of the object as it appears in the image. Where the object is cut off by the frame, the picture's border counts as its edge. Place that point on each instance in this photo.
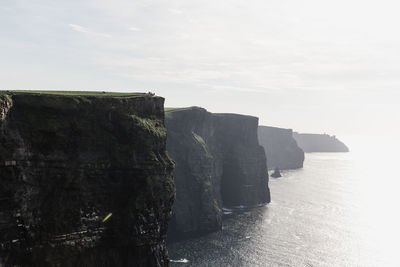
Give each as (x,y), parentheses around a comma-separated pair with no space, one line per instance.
(126,122)
(339,210)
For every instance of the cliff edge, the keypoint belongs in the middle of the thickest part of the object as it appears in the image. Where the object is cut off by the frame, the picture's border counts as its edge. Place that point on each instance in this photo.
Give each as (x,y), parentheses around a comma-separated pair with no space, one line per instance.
(84,179)
(281,148)
(219,163)
(319,143)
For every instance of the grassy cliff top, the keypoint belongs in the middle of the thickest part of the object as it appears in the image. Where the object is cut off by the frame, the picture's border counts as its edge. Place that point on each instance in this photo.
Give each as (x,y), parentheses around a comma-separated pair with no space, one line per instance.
(167,109)
(170,110)
(273,128)
(75,93)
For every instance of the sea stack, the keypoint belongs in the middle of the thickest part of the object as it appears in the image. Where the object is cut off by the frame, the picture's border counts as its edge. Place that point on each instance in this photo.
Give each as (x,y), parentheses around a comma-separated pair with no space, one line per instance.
(276,173)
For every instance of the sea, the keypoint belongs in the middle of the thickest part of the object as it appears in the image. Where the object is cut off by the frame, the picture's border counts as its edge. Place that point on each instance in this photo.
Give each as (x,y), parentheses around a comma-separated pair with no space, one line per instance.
(341,209)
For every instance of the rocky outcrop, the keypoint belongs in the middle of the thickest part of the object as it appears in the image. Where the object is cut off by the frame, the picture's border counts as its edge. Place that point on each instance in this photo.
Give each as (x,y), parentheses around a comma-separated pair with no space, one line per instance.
(84,180)
(219,163)
(276,173)
(281,148)
(320,143)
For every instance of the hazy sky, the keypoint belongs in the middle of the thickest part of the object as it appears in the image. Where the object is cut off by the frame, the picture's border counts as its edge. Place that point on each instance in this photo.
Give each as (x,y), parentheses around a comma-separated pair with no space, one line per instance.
(310,65)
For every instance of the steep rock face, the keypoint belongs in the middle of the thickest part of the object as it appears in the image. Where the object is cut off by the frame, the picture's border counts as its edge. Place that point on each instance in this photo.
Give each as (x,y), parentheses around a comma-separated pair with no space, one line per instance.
(320,143)
(244,178)
(281,148)
(84,180)
(218,164)
(197,168)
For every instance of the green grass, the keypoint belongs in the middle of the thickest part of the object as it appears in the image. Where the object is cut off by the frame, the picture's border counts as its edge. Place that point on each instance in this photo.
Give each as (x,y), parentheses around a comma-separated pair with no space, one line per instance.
(73,93)
(150,126)
(169,109)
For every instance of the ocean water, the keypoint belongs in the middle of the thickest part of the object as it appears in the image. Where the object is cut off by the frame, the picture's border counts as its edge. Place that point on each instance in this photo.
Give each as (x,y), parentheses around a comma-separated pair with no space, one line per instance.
(341,209)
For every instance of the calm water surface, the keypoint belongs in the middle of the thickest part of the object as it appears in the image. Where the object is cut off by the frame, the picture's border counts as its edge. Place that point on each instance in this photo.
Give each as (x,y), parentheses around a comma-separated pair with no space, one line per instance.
(341,209)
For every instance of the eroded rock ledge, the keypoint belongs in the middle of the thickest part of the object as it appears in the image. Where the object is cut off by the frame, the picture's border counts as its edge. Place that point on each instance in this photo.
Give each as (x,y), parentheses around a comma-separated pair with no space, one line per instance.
(84,180)
(219,163)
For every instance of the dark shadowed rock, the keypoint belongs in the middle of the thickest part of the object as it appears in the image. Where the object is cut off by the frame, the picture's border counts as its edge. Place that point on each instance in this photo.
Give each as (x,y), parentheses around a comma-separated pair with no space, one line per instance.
(84,180)
(244,178)
(320,143)
(281,148)
(219,163)
(198,170)
(276,173)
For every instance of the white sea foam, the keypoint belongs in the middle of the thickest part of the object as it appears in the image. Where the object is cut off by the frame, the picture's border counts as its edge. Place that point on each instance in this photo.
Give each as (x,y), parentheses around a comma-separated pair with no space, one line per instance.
(180,261)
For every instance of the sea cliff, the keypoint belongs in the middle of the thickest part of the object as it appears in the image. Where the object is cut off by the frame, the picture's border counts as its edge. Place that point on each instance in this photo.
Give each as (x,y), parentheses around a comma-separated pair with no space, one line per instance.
(281,148)
(319,143)
(219,163)
(84,180)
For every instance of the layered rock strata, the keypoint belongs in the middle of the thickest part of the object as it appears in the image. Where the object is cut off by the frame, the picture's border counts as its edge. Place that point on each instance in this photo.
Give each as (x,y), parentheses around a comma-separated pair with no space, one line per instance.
(84,180)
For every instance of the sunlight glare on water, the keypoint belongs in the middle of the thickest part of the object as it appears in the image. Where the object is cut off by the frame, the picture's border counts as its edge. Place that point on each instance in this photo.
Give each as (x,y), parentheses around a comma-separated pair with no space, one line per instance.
(339,210)
(377,194)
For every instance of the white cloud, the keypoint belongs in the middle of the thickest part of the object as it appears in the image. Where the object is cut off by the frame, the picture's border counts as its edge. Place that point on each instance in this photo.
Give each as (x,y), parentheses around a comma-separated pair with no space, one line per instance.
(304,48)
(85,30)
(78,28)
(134,29)
(176,11)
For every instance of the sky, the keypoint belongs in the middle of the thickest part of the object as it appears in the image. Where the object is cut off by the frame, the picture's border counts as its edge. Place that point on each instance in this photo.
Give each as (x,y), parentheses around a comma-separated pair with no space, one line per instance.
(311,65)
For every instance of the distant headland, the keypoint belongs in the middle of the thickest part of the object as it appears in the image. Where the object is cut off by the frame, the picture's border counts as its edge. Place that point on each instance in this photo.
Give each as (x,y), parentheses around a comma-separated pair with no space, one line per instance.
(319,143)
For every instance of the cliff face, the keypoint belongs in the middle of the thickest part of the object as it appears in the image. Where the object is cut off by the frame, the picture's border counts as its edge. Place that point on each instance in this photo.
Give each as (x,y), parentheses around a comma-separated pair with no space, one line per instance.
(281,148)
(198,166)
(244,178)
(218,164)
(84,180)
(320,143)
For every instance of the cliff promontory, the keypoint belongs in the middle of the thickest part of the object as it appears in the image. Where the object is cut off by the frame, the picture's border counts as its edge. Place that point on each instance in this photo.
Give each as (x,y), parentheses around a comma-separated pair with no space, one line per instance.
(218,163)
(320,143)
(84,180)
(281,148)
